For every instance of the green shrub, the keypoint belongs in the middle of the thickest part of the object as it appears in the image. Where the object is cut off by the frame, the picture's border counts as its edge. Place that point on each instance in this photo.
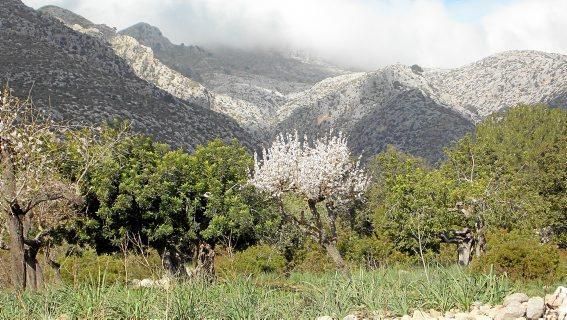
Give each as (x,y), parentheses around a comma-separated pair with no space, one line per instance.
(521,257)
(311,258)
(447,255)
(255,260)
(370,252)
(88,267)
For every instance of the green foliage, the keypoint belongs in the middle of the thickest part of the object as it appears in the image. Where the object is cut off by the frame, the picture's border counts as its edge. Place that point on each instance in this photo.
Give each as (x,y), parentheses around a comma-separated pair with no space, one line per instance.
(301,296)
(255,260)
(168,200)
(90,268)
(510,174)
(521,256)
(312,259)
(409,202)
(514,168)
(368,251)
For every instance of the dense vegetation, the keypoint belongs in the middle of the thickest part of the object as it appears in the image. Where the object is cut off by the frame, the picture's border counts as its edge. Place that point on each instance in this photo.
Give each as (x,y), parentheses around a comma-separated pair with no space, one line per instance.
(106,204)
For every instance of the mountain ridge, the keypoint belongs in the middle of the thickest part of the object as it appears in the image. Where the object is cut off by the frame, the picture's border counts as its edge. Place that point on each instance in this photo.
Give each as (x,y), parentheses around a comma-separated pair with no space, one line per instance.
(79,78)
(419,110)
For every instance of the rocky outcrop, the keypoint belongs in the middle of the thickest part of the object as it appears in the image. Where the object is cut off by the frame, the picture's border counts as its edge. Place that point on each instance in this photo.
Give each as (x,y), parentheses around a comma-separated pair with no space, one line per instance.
(421,111)
(517,306)
(146,66)
(502,81)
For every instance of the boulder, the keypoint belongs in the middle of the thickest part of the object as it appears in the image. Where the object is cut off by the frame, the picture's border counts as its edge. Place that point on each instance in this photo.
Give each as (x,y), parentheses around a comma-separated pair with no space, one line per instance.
(484,309)
(511,311)
(420,315)
(463,316)
(164,283)
(147,283)
(350,317)
(557,298)
(135,283)
(562,311)
(535,308)
(435,314)
(516,297)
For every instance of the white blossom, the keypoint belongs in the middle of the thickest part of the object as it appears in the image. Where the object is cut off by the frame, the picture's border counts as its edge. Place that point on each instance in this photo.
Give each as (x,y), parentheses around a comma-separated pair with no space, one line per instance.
(323,170)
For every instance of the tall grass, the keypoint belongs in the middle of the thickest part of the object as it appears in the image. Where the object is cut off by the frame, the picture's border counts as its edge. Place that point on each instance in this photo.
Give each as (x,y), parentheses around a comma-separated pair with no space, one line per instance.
(300,296)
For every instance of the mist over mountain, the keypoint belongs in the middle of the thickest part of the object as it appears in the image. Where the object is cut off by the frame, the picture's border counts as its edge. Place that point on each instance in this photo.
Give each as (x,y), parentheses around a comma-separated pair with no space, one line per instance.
(351,33)
(257,94)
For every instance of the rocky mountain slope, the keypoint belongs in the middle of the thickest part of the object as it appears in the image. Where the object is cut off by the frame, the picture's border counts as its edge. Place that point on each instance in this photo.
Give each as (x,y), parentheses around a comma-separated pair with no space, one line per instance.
(79,77)
(262,77)
(502,80)
(421,111)
(418,110)
(393,105)
(146,66)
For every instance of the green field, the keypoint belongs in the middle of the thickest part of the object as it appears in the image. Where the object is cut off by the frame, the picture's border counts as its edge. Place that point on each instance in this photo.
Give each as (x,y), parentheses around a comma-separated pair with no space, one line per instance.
(394,290)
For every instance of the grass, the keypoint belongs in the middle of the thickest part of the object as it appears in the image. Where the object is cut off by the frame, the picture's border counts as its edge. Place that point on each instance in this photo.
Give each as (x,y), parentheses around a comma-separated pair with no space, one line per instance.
(299,296)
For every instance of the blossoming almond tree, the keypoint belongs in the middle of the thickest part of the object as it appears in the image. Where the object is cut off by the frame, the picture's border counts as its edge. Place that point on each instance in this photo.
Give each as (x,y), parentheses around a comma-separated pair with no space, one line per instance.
(323,173)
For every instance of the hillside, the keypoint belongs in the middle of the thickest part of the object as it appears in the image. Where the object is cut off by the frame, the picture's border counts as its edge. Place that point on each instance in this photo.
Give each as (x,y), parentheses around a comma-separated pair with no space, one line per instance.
(418,110)
(502,80)
(390,106)
(78,77)
(421,111)
(262,77)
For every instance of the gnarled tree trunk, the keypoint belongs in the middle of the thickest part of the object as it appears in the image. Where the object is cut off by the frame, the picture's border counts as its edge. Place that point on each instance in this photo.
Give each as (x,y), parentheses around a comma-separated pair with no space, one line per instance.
(333,252)
(172,263)
(205,262)
(14,219)
(17,250)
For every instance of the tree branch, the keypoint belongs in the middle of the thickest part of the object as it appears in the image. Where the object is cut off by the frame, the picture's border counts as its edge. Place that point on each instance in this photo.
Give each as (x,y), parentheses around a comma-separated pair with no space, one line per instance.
(36,202)
(3,246)
(305,227)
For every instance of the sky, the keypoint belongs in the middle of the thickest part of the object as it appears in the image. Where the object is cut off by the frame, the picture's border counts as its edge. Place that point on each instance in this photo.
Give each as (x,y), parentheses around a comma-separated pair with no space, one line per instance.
(365,34)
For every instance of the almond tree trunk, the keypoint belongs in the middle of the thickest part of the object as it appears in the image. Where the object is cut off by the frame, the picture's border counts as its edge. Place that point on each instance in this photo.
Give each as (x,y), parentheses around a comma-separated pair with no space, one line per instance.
(17,251)
(205,262)
(34,274)
(465,250)
(172,264)
(333,252)
(14,219)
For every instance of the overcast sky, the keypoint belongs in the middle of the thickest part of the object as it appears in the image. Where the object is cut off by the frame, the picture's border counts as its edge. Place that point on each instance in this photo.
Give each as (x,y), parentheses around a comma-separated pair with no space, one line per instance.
(361,33)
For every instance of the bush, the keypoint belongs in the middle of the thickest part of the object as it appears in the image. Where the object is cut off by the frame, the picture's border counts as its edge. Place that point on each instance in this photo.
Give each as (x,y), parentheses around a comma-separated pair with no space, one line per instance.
(255,260)
(521,257)
(312,258)
(370,252)
(88,267)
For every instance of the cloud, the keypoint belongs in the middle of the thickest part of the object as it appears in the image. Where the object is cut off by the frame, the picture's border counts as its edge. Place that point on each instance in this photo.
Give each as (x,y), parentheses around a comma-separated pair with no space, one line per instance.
(359,33)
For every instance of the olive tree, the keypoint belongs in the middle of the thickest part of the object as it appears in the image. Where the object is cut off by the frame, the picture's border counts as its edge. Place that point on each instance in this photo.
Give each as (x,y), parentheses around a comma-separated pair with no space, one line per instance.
(322,173)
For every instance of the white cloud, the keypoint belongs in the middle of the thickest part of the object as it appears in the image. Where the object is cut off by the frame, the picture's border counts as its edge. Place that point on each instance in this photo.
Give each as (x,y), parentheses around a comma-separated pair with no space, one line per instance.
(361,33)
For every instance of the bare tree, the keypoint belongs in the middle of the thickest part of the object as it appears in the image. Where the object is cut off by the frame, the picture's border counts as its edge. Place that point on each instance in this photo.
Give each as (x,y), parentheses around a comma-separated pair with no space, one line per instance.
(323,173)
(30,186)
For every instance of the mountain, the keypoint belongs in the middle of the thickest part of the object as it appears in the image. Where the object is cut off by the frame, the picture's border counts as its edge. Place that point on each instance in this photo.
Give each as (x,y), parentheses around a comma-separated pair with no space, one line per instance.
(418,110)
(262,77)
(145,65)
(79,77)
(421,111)
(393,105)
(502,80)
